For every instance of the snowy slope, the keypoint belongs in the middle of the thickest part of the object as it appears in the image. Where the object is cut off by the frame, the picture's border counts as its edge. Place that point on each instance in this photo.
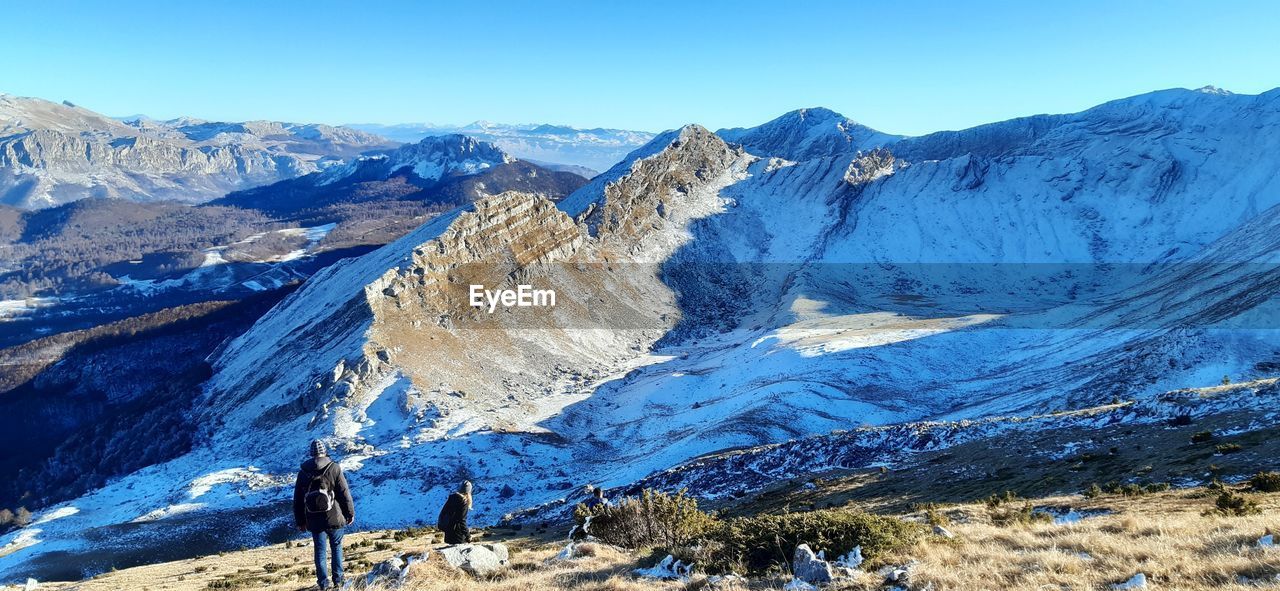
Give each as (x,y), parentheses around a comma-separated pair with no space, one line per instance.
(717,298)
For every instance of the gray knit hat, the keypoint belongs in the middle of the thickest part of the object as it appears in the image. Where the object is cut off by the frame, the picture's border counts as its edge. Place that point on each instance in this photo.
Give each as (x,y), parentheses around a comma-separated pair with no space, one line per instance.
(318,449)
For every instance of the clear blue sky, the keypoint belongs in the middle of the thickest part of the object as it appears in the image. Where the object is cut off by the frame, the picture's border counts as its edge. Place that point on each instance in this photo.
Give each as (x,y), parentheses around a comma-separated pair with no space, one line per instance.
(903,67)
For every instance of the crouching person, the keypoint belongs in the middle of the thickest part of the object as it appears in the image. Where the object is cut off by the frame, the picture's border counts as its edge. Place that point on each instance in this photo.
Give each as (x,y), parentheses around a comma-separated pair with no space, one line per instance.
(322,505)
(453,516)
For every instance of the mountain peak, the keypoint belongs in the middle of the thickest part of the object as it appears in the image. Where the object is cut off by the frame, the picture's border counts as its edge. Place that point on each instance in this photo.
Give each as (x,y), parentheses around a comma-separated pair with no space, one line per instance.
(691,147)
(431,159)
(1210,89)
(816,113)
(804,134)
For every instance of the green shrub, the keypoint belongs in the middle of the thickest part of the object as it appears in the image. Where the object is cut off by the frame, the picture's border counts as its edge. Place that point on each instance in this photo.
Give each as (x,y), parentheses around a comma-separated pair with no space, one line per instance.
(1202,437)
(1131,489)
(995,501)
(1233,504)
(933,514)
(1014,515)
(652,519)
(1094,491)
(1265,482)
(767,542)
(412,532)
(1228,448)
(1128,489)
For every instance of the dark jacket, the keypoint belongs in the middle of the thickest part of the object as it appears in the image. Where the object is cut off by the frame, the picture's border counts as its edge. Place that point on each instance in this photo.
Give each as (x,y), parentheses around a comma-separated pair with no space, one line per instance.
(332,478)
(453,520)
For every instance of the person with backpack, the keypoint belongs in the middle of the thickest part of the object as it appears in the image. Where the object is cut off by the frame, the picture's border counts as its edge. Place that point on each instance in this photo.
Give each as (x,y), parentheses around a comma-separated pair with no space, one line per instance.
(597,499)
(453,516)
(322,505)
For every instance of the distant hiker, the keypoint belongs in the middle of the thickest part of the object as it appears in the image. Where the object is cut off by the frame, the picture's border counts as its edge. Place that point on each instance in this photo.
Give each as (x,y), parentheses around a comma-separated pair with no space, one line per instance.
(596,499)
(453,516)
(322,505)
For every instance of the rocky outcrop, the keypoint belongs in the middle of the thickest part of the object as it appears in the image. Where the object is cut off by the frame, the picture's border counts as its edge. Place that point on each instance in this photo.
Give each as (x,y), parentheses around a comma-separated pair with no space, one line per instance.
(677,184)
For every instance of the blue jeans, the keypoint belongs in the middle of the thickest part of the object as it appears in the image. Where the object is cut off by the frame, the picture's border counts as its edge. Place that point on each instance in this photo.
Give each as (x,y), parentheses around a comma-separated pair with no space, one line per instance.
(335,548)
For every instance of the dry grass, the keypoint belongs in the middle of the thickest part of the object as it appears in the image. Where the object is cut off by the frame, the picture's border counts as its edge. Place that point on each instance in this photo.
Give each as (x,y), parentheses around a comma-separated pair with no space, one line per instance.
(1166,536)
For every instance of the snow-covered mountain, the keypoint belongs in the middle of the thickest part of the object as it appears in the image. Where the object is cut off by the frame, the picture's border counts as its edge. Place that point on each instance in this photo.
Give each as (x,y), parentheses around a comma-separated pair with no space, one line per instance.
(431,159)
(53,153)
(447,170)
(593,149)
(805,277)
(808,133)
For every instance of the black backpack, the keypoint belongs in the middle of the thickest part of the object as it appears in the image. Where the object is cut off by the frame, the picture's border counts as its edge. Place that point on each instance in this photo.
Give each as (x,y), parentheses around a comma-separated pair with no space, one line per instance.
(319,498)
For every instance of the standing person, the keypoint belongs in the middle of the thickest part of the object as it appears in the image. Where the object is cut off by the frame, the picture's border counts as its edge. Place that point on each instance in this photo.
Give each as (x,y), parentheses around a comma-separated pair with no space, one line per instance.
(597,499)
(322,505)
(453,516)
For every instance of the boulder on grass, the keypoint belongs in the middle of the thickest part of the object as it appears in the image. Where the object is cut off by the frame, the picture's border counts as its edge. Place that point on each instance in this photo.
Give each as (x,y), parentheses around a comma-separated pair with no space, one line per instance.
(386,573)
(476,559)
(807,567)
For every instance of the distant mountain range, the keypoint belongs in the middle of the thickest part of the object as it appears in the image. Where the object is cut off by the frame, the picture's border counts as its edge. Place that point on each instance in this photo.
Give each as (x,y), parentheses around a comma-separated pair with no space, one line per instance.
(147,254)
(54,153)
(593,149)
(444,171)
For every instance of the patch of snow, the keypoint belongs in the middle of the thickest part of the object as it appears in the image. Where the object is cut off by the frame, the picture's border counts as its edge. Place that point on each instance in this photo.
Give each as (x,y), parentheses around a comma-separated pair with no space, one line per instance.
(1069,515)
(170,511)
(55,514)
(853,559)
(24,538)
(668,569)
(795,584)
(1138,581)
(10,309)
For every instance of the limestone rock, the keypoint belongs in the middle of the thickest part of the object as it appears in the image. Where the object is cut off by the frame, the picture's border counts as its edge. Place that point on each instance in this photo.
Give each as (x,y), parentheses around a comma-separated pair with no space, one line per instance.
(478,560)
(809,568)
